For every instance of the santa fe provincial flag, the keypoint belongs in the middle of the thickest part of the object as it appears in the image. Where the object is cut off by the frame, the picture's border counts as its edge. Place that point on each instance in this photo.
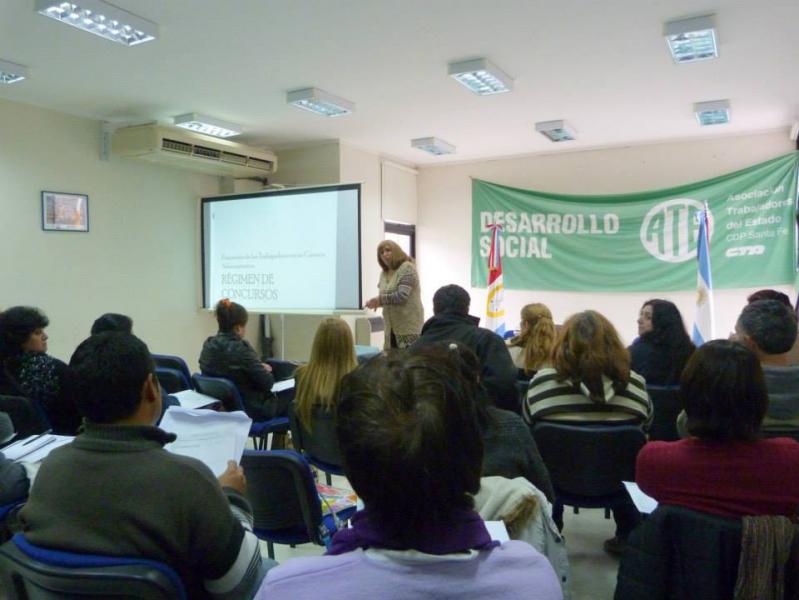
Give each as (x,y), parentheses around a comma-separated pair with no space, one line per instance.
(704,326)
(495,311)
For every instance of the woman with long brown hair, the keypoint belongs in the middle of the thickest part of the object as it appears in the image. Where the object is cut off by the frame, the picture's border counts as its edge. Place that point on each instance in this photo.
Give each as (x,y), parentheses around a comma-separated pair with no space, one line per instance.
(530,349)
(399,296)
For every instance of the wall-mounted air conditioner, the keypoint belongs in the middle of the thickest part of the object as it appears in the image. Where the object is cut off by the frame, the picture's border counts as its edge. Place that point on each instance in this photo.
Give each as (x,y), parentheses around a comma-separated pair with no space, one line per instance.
(194,151)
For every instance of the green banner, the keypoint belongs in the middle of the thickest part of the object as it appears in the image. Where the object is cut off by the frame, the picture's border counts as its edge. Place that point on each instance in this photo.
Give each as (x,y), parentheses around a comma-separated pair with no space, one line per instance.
(642,242)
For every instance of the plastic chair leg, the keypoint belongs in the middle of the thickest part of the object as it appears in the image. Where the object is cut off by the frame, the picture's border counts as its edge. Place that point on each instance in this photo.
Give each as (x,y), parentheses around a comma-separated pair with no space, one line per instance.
(328,478)
(270,550)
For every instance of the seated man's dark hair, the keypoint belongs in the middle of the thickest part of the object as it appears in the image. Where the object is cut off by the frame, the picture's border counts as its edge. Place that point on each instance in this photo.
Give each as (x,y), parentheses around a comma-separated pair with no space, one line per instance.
(106,375)
(769,295)
(451,299)
(771,324)
(229,315)
(724,392)
(408,433)
(16,326)
(112,322)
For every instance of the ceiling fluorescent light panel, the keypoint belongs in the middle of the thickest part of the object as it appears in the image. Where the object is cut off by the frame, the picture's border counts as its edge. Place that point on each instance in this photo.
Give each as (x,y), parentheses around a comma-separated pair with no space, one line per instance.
(691,40)
(320,102)
(207,125)
(101,18)
(433,145)
(716,112)
(481,76)
(556,131)
(12,73)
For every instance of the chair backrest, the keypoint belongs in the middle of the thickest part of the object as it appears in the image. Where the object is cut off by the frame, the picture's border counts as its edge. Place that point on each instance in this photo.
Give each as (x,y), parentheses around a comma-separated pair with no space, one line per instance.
(282,369)
(589,460)
(221,388)
(666,407)
(25,415)
(172,380)
(173,362)
(282,491)
(29,572)
(321,443)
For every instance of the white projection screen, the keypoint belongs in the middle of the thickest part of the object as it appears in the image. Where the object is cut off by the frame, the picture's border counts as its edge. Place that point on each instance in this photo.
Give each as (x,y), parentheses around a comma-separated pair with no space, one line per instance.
(292,250)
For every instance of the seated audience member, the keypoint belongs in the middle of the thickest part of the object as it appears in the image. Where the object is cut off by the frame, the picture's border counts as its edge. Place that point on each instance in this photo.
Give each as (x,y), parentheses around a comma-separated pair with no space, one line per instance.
(530,349)
(13,478)
(112,322)
(115,490)
(317,382)
(228,354)
(792,356)
(591,382)
(509,448)
(663,346)
(451,322)
(412,451)
(768,328)
(725,468)
(27,370)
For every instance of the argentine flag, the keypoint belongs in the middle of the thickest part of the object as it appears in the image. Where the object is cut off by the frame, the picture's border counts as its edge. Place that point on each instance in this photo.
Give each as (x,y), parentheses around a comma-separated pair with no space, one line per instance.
(495,310)
(704,325)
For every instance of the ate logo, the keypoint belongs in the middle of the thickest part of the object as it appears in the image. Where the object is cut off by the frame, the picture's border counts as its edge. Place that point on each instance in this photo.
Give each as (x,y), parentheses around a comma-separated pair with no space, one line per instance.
(670,229)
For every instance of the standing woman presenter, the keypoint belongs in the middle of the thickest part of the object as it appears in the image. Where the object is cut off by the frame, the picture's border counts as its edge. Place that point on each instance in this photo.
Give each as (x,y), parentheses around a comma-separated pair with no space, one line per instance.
(399,296)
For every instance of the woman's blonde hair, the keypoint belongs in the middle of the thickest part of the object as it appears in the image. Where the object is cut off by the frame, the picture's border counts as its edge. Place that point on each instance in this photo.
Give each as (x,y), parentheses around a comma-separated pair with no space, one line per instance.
(538,338)
(332,357)
(398,255)
(588,347)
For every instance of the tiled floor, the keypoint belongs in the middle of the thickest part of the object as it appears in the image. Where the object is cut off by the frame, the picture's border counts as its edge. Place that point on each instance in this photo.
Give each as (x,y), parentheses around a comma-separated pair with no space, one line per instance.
(593,571)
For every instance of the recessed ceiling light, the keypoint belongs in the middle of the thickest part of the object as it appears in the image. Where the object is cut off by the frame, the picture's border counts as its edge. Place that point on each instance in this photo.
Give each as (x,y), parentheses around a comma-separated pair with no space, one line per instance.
(320,102)
(716,112)
(556,131)
(100,18)
(12,73)
(433,145)
(481,76)
(207,125)
(690,40)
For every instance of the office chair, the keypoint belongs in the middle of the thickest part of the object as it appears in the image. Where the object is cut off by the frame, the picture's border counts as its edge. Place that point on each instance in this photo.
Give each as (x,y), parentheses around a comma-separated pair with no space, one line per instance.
(29,572)
(227,393)
(320,445)
(665,407)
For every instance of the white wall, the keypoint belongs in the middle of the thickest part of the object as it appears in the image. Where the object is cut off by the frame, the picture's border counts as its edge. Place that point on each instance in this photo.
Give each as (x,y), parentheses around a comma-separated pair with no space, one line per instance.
(140,257)
(444,227)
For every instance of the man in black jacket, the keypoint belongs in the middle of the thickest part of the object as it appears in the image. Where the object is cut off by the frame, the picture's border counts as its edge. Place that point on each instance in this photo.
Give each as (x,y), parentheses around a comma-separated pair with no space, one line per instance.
(451,322)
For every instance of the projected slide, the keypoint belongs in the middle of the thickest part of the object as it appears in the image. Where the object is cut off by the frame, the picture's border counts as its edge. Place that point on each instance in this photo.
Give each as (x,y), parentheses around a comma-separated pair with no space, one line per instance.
(288,250)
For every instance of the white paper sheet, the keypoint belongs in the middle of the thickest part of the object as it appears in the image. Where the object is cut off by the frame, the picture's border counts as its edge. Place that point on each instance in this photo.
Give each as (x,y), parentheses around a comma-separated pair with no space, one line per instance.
(497,531)
(645,504)
(209,436)
(286,384)
(35,448)
(192,399)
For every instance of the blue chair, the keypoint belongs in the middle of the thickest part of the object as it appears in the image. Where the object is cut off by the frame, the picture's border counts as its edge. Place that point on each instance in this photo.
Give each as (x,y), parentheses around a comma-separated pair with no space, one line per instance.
(227,393)
(172,380)
(587,463)
(665,409)
(29,572)
(168,361)
(286,505)
(320,445)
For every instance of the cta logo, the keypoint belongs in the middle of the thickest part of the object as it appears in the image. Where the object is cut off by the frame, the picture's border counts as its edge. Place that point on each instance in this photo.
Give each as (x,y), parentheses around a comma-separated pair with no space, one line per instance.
(670,229)
(745,251)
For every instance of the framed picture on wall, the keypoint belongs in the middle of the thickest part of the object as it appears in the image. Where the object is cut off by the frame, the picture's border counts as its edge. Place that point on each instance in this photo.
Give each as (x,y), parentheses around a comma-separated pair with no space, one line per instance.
(65,212)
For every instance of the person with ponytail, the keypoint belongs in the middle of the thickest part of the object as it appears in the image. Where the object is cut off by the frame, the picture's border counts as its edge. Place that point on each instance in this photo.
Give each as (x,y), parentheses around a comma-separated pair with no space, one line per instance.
(228,354)
(530,349)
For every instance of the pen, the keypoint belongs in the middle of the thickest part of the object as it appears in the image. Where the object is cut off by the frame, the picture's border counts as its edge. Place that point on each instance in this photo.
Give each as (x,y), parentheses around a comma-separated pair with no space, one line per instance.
(37,437)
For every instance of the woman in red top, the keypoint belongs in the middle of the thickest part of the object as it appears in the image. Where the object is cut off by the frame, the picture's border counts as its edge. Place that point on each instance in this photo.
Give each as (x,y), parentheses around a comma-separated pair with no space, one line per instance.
(725,468)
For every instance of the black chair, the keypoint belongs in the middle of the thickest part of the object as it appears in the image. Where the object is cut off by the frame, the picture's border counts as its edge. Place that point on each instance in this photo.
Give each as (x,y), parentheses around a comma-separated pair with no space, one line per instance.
(168,361)
(587,463)
(680,553)
(172,380)
(665,408)
(286,505)
(28,572)
(320,445)
(228,394)
(25,414)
